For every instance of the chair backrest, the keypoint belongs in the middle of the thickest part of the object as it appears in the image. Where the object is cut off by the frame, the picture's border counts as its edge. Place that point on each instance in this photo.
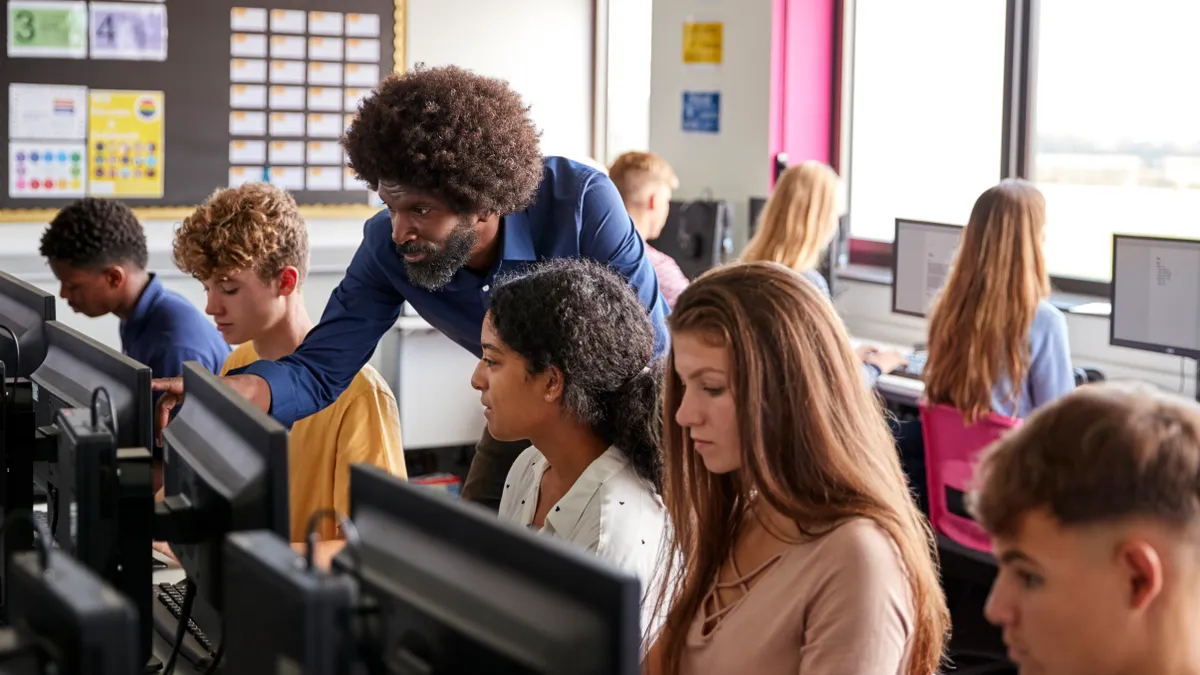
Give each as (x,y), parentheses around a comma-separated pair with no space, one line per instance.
(951,449)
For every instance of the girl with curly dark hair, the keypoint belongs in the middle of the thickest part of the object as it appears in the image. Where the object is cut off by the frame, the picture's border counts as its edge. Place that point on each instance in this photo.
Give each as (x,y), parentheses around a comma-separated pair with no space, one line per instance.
(565,353)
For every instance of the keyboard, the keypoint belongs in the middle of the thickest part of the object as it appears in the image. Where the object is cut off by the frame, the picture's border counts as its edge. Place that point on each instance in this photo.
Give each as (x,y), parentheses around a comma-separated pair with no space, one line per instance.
(168,607)
(916,366)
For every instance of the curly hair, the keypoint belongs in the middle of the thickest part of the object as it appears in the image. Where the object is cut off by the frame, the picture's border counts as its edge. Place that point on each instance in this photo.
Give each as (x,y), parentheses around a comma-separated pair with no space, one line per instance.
(449,132)
(255,226)
(585,320)
(93,233)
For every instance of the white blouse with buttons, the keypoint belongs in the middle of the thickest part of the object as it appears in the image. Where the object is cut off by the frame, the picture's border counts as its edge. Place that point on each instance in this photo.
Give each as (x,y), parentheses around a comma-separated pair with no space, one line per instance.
(610,511)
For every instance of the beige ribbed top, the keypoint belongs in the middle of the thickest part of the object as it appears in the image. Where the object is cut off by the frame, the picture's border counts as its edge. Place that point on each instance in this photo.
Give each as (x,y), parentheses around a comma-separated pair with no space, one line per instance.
(838,605)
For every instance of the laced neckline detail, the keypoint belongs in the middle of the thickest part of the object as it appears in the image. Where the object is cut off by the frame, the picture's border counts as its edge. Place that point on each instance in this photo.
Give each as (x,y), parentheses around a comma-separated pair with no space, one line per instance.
(714,610)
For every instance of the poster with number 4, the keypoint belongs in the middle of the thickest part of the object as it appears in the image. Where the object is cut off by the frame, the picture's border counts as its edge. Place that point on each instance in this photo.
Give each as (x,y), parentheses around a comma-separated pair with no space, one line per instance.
(129,31)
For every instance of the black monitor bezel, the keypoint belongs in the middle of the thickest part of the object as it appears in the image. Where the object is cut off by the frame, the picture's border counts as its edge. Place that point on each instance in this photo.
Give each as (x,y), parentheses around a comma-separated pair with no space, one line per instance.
(136,426)
(200,553)
(555,565)
(36,301)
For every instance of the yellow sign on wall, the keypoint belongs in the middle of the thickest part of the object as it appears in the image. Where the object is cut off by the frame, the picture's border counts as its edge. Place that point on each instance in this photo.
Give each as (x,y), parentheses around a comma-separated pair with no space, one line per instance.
(703,41)
(125,143)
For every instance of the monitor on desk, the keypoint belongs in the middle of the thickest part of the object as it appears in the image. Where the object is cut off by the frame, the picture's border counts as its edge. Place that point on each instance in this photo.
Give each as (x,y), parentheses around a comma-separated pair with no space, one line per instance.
(24,309)
(65,619)
(922,256)
(225,469)
(1156,295)
(92,457)
(696,235)
(75,365)
(459,592)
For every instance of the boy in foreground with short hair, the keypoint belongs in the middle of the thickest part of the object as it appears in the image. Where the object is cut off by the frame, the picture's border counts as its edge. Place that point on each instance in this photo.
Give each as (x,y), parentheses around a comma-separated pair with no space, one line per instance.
(1094,506)
(249,247)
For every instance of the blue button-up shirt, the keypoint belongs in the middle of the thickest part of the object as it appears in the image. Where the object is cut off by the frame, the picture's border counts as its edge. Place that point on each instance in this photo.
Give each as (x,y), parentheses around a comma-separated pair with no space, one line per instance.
(165,330)
(577,212)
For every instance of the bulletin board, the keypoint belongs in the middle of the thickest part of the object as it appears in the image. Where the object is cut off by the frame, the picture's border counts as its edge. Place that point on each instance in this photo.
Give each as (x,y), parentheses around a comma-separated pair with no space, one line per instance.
(159,102)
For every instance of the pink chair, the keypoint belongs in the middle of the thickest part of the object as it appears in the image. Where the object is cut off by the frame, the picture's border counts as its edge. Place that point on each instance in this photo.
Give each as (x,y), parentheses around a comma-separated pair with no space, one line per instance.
(951,448)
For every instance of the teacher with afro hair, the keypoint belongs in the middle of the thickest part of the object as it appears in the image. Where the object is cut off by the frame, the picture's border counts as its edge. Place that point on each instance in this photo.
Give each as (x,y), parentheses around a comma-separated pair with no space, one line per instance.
(455,158)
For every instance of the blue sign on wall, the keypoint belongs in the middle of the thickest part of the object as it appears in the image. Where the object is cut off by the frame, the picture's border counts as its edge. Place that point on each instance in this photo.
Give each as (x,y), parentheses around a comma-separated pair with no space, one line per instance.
(702,111)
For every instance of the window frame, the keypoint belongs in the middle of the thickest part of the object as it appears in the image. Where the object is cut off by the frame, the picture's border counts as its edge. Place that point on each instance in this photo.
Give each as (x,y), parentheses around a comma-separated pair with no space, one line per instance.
(1016,137)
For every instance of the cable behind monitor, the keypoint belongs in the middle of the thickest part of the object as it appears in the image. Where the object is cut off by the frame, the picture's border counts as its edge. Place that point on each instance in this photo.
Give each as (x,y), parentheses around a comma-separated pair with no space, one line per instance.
(16,349)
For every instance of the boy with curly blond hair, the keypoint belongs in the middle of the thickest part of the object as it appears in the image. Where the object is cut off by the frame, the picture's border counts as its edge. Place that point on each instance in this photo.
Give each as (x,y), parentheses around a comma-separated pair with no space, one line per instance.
(248,246)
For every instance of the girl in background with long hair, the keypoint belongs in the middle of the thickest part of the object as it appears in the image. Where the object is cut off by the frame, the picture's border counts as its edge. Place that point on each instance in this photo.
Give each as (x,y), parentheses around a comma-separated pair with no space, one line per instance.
(795,228)
(995,341)
(800,549)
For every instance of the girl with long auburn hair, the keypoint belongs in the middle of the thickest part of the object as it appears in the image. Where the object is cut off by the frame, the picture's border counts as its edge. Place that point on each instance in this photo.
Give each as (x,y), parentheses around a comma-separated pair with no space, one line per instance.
(795,228)
(995,341)
(800,549)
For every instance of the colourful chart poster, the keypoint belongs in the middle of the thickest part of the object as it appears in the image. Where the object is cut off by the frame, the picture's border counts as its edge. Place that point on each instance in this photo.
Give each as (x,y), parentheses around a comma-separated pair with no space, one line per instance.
(703,42)
(40,169)
(125,143)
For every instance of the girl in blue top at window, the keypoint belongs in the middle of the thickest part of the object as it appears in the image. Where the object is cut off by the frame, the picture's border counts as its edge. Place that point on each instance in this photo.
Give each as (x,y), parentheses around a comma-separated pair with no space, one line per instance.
(995,341)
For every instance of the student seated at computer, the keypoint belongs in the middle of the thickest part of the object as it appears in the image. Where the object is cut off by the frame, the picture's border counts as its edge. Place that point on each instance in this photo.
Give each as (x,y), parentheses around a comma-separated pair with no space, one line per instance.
(646,182)
(1094,510)
(995,341)
(797,224)
(249,247)
(801,549)
(97,250)
(566,364)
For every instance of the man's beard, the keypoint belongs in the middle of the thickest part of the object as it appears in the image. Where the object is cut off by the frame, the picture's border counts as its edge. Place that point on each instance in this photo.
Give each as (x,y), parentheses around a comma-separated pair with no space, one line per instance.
(435,271)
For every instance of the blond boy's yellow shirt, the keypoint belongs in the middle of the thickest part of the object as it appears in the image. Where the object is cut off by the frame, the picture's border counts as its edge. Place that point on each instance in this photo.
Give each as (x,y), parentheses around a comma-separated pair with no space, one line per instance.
(361,427)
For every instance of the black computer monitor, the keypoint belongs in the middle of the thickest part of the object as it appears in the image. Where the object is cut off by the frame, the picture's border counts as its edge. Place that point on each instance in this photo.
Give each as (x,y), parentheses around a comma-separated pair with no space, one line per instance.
(1156,295)
(105,495)
(65,619)
(460,592)
(922,255)
(225,469)
(24,309)
(277,611)
(75,365)
(696,235)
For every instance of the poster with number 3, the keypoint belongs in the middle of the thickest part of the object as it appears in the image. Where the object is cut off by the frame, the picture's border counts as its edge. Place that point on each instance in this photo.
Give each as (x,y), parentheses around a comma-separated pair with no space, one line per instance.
(128,31)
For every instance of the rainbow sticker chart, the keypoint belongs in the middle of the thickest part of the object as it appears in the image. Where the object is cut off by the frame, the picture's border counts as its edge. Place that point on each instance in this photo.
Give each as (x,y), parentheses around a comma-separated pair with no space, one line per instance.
(45,170)
(125,143)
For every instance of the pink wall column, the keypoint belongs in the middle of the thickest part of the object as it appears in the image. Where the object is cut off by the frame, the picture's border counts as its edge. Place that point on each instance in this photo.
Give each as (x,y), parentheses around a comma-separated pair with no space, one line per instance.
(802,80)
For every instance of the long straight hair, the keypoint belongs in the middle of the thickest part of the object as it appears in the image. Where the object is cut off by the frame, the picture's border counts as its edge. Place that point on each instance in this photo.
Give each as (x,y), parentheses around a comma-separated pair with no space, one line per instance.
(814,445)
(798,220)
(979,326)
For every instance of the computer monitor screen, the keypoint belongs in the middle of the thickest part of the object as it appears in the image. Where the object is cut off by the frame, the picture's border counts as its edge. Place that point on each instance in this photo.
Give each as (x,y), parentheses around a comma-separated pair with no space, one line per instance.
(1156,295)
(922,256)
(225,469)
(460,592)
(75,365)
(23,310)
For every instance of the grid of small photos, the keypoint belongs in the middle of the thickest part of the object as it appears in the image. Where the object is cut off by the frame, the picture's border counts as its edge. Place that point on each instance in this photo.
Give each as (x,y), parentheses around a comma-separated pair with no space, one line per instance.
(296,78)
